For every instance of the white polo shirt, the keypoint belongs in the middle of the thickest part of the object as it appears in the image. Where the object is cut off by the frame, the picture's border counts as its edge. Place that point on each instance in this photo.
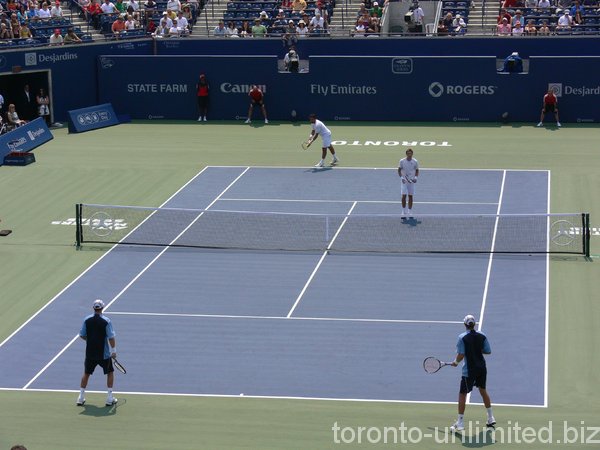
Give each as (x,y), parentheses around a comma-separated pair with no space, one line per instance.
(409,168)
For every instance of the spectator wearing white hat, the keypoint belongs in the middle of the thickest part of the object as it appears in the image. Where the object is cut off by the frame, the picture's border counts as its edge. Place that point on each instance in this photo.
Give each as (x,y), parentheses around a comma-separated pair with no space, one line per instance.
(418,19)
(97,332)
(565,21)
(376,10)
(459,25)
(301,29)
(470,348)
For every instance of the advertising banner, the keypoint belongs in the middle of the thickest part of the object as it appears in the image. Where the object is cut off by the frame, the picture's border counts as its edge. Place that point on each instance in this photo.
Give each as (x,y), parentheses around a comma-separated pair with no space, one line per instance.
(25,138)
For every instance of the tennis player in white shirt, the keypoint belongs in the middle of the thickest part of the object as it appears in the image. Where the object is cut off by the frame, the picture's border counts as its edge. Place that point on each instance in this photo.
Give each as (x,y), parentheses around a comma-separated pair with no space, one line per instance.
(408,170)
(319,128)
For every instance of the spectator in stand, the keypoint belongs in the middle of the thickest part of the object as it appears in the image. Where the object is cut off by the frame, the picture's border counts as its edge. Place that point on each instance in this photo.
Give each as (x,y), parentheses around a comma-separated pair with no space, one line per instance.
(130,24)
(25,32)
(118,27)
(459,26)
(441,30)
(504,29)
(150,7)
(174,31)
(15,25)
(259,30)
(132,6)
(562,5)
(121,7)
(72,38)
(301,30)
(33,12)
(298,5)
(187,13)
(518,17)
(174,5)
(43,103)
(279,23)
(245,30)
(577,13)
(108,7)
(22,15)
(5,32)
(150,26)
(374,26)
(316,23)
(544,4)
(531,4)
(376,10)
(517,30)
(447,21)
(13,117)
(27,104)
(93,12)
(530,29)
(504,15)
(564,22)
(290,38)
(56,11)
(44,13)
(163,30)
(544,29)
(232,30)
(362,10)
(56,38)
(183,23)
(167,17)
(509,5)
(220,30)
(11,5)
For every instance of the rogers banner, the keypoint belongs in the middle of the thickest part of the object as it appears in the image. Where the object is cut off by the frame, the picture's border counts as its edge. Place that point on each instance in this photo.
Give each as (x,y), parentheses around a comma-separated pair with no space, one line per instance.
(25,138)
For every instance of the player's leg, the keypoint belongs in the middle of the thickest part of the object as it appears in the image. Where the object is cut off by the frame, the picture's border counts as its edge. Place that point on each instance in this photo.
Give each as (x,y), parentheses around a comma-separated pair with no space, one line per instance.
(487,402)
(542,116)
(410,203)
(249,119)
(264,112)
(323,155)
(327,146)
(110,379)
(556,116)
(403,202)
(88,370)
(199,100)
(466,385)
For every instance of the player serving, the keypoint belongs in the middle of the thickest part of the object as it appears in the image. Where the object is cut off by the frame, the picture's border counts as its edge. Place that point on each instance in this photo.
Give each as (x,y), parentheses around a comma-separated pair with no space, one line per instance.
(408,169)
(319,128)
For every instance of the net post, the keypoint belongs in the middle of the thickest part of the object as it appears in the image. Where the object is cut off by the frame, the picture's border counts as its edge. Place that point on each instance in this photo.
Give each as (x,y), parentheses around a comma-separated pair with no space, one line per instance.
(586,234)
(78,226)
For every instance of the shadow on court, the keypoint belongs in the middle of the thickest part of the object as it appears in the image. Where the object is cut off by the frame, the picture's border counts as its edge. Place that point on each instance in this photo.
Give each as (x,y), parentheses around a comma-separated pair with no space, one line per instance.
(483,438)
(319,169)
(101,410)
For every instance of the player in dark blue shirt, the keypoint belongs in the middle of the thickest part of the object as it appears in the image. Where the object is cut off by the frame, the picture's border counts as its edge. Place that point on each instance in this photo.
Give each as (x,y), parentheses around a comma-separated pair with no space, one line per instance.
(97,331)
(470,348)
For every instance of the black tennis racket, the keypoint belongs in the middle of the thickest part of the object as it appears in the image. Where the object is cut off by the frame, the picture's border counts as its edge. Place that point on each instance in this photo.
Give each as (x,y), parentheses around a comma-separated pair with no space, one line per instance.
(119,366)
(432,365)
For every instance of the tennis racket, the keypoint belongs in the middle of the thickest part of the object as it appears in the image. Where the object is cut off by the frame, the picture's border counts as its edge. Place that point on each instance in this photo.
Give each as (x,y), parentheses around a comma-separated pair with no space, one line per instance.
(306,144)
(432,365)
(119,366)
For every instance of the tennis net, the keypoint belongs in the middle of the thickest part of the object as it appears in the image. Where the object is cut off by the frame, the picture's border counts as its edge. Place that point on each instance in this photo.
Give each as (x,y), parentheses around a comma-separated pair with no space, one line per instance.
(211,228)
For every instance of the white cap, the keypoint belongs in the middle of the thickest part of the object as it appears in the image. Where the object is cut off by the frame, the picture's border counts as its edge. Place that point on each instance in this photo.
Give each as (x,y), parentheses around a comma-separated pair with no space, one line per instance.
(469,320)
(98,304)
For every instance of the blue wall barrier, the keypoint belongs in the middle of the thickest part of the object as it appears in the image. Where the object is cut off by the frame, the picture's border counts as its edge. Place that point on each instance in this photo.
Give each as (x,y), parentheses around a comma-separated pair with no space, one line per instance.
(75,68)
(25,138)
(352,88)
(92,118)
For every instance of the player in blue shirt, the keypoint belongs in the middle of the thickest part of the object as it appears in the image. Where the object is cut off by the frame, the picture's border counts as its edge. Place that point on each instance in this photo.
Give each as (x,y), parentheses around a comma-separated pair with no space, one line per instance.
(97,331)
(470,348)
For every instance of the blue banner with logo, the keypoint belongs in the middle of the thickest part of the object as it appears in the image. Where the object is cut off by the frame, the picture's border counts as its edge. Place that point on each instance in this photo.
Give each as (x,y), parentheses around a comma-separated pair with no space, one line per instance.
(25,138)
(382,88)
(92,118)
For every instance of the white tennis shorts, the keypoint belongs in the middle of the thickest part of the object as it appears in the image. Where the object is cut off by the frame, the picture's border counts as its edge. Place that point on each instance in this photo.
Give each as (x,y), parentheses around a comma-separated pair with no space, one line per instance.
(326,140)
(407,189)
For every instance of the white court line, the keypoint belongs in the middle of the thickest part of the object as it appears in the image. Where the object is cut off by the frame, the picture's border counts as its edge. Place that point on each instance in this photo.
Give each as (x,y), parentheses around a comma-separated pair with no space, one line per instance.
(137,277)
(386,168)
(270,397)
(346,201)
(90,267)
(320,261)
(323,319)
(490,261)
(547,319)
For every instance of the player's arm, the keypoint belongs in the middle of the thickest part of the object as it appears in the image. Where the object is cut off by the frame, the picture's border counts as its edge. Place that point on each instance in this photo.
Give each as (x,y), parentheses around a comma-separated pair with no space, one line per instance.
(113,347)
(457,360)
(83,332)
(487,350)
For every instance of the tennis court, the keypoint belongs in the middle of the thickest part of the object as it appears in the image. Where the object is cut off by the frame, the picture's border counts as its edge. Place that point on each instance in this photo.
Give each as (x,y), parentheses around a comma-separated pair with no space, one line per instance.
(312,324)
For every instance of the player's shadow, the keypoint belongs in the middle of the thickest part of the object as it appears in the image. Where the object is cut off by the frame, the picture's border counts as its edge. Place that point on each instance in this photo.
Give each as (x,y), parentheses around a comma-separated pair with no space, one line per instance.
(484,438)
(410,221)
(101,410)
(319,169)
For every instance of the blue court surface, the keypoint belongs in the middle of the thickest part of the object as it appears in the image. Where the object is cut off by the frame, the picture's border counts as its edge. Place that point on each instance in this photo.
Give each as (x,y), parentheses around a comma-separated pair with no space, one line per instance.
(350,326)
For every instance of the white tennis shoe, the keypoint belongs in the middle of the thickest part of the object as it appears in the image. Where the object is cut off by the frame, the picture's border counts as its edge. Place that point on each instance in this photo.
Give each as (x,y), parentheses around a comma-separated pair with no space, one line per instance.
(248,121)
(491,422)
(457,426)
(80,401)
(540,124)
(110,401)
(320,164)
